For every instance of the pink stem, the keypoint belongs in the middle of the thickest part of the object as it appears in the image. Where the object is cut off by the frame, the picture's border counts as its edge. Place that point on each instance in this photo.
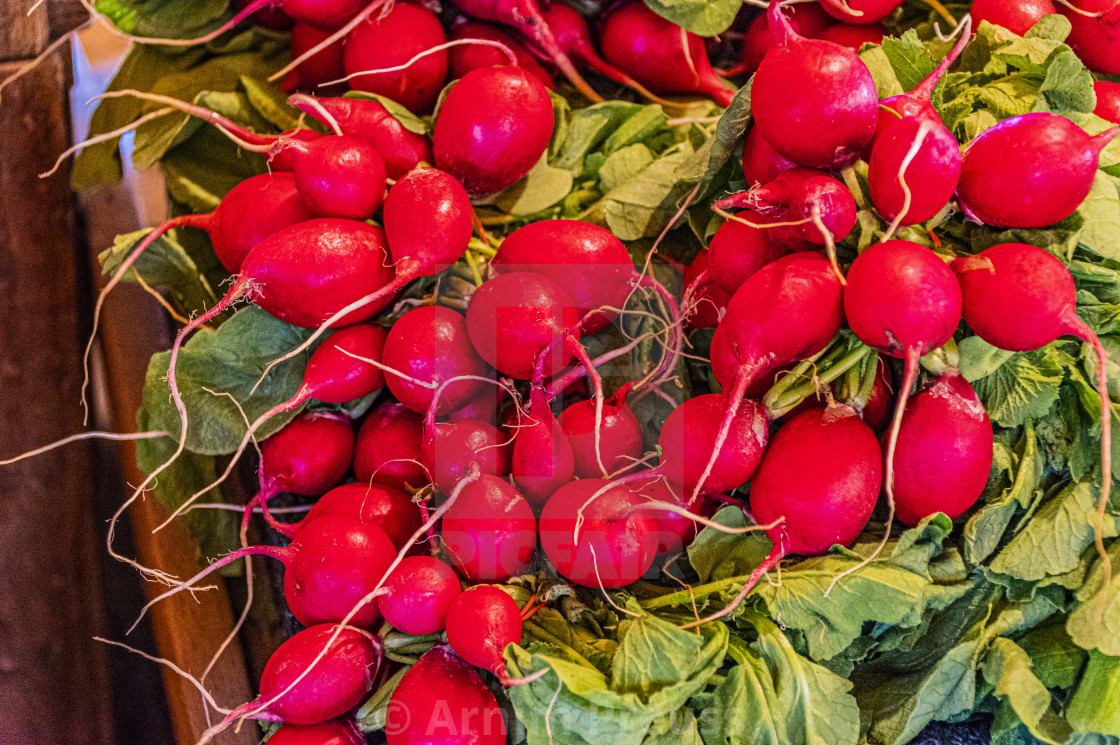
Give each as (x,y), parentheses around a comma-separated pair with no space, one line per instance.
(676,342)
(776,554)
(742,380)
(924,90)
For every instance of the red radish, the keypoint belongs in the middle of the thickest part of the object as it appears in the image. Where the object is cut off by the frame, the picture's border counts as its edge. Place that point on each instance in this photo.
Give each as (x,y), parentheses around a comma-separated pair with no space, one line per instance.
(853,36)
(542,458)
(419,593)
(1018,17)
(493,126)
(1048,151)
(430,345)
(860,12)
(822,208)
(308,456)
(901,299)
(790,309)
(807,19)
(338,681)
(588,262)
(1108,100)
(658,53)
(483,407)
(738,250)
(388,449)
(676,530)
(1096,33)
(284,152)
(762,163)
(385,507)
(340,177)
(1018,297)
(513,318)
(915,167)
(593,537)
(600,450)
(490,532)
(481,623)
(944,451)
(525,17)
(467,58)
(705,301)
(390,40)
(330,732)
(269,16)
(573,36)
(439,684)
(814,101)
(450,447)
(325,66)
(400,149)
(691,435)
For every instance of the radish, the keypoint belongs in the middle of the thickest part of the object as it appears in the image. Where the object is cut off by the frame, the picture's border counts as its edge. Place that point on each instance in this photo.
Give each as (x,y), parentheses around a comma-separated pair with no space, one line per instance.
(388,449)
(430,346)
(324,67)
(852,36)
(385,507)
(493,126)
(1095,36)
(467,58)
(450,447)
(738,250)
(814,101)
(821,209)
(392,39)
(807,19)
(593,537)
(604,447)
(676,530)
(1048,152)
(446,702)
(338,681)
(542,459)
(1018,17)
(285,149)
(419,593)
(1018,297)
(704,301)
(915,167)
(490,532)
(762,163)
(702,456)
(400,149)
(525,17)
(1108,100)
(481,623)
(330,732)
(658,53)
(340,177)
(860,12)
(514,317)
(944,450)
(588,262)
(572,35)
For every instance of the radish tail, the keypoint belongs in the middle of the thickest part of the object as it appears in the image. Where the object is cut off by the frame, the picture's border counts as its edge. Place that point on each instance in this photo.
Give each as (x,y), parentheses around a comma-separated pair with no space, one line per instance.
(742,380)
(771,560)
(199,221)
(538,31)
(676,341)
(597,386)
(607,70)
(244,137)
(1078,327)
(924,89)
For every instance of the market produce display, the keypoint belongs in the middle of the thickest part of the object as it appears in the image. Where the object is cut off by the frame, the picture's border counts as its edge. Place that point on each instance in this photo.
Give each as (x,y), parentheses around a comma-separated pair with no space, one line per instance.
(653,371)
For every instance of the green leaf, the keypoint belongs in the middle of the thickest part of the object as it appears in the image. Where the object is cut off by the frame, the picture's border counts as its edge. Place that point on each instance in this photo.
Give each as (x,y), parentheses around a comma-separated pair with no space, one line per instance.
(623,165)
(1096,622)
(774,696)
(678,729)
(909,59)
(1053,26)
(985,529)
(1008,669)
(589,128)
(1024,387)
(165,19)
(228,360)
(665,666)
(1054,539)
(641,207)
(1056,660)
(882,72)
(1101,214)
(270,103)
(408,120)
(538,190)
(203,169)
(1068,85)
(1096,704)
(164,263)
(979,359)
(215,530)
(716,555)
(701,17)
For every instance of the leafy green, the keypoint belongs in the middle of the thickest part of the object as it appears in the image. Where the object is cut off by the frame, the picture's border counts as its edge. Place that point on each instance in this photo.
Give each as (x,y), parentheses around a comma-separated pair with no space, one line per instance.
(164,263)
(1095,706)
(166,19)
(1008,669)
(701,17)
(1024,387)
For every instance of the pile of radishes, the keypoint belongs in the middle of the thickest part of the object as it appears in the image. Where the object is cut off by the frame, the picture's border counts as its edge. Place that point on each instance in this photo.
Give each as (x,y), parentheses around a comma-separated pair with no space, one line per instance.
(496,445)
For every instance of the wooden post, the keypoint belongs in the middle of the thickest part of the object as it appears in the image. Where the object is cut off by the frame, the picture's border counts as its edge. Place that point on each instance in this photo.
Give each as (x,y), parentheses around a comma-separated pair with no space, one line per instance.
(53,676)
